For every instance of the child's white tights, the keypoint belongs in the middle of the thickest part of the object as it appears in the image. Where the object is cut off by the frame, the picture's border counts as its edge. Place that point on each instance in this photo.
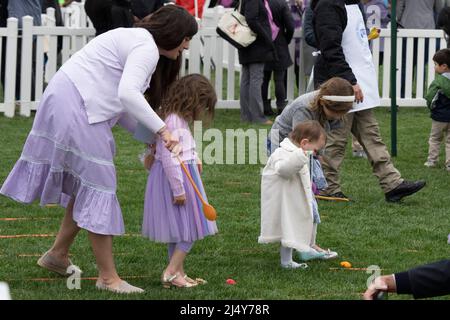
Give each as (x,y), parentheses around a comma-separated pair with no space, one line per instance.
(285,255)
(286,259)
(314,234)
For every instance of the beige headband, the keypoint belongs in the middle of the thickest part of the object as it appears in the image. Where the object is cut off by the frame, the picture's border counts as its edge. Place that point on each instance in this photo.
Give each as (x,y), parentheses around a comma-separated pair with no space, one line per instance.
(339,98)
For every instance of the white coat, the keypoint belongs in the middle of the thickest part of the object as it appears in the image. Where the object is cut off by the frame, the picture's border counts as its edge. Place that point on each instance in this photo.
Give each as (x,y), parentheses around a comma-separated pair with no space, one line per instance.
(286,198)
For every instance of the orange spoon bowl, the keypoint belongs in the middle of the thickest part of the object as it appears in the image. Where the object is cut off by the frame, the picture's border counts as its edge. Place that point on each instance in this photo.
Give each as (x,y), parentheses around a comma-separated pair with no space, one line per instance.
(208,210)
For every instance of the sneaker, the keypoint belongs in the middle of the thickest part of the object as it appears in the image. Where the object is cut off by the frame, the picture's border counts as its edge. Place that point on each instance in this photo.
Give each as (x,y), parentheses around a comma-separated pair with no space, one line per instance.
(337,196)
(406,188)
(311,255)
(328,253)
(294,265)
(430,164)
(359,154)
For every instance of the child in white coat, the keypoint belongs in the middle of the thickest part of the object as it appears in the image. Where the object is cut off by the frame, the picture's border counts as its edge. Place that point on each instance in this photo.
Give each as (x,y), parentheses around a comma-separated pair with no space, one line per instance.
(286,193)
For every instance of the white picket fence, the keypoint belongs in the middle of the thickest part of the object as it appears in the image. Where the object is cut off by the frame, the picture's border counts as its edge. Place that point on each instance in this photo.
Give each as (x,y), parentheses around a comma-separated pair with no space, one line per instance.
(208,54)
(44,39)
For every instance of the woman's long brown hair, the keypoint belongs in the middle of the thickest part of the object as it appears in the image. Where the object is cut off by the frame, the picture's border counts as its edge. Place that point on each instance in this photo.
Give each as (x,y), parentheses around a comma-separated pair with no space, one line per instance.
(170,26)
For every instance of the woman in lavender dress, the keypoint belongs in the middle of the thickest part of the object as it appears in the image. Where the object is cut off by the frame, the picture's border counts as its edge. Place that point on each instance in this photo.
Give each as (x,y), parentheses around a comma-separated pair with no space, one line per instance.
(68,155)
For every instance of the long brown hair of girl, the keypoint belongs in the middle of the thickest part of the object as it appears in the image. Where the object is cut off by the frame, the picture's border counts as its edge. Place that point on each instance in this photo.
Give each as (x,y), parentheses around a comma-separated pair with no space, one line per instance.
(192,97)
(333,87)
(169,26)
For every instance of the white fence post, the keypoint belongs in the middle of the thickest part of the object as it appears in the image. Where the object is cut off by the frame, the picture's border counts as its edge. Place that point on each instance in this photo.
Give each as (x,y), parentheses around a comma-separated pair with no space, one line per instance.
(194,54)
(10,72)
(26,66)
(51,66)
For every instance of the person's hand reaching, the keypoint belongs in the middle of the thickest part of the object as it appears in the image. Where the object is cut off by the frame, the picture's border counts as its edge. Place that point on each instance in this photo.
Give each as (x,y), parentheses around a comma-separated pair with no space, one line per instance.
(380,284)
(359,96)
(179,200)
(170,141)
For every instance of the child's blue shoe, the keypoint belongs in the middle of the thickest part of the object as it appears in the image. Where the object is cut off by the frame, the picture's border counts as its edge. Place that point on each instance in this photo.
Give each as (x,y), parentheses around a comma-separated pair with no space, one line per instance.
(311,255)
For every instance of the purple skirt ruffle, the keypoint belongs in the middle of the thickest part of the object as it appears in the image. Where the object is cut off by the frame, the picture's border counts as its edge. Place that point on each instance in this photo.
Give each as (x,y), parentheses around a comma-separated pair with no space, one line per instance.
(65,157)
(169,223)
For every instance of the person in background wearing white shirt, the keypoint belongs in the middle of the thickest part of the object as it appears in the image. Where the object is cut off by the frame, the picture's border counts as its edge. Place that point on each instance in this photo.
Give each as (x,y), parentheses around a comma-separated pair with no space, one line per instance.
(68,155)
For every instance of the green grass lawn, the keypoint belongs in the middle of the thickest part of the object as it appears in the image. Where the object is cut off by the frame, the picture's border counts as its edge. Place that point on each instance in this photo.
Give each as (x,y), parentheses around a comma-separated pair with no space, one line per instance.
(366,232)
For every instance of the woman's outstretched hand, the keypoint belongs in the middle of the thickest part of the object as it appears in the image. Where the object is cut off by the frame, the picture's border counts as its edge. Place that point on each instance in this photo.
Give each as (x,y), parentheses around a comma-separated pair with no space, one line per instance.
(170,141)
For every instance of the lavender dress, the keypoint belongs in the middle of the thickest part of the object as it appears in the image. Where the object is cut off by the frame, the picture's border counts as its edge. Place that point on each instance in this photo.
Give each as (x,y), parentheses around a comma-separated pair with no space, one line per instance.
(164,221)
(64,156)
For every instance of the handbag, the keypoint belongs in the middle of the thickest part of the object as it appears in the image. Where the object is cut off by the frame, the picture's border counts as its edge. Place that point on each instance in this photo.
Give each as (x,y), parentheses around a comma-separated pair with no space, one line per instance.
(233,28)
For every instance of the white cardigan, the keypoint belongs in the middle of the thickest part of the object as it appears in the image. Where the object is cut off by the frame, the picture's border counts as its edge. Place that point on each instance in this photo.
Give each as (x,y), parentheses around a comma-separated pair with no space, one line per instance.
(112,72)
(286,198)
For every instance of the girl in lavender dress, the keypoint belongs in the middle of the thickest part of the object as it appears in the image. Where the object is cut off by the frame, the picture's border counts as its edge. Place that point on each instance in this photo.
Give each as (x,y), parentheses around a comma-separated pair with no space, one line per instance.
(172,212)
(68,155)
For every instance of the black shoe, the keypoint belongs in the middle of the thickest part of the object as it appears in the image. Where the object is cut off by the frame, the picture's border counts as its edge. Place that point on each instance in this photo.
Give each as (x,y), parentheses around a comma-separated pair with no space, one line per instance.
(268,108)
(281,106)
(406,188)
(338,196)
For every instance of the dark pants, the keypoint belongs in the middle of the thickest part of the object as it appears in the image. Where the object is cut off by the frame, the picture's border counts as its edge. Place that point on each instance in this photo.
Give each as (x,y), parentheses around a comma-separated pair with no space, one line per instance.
(280,86)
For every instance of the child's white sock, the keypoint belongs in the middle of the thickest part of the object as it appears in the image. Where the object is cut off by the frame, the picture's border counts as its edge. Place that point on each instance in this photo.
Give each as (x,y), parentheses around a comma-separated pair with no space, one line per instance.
(314,235)
(285,255)
(286,259)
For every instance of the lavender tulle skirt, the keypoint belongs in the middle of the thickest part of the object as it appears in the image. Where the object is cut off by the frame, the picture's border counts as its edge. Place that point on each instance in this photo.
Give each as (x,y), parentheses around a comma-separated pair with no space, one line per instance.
(169,223)
(65,157)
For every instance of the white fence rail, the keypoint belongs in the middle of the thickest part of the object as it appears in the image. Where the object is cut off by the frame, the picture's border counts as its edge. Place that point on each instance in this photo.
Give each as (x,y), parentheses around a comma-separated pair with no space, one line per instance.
(39,58)
(209,55)
(419,72)
(207,52)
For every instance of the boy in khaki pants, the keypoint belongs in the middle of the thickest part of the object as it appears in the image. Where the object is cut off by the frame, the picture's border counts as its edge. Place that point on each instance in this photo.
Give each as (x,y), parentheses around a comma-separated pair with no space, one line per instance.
(438,100)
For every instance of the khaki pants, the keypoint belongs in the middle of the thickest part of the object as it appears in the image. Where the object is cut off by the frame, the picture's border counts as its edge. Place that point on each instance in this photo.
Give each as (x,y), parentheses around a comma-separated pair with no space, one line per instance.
(364,126)
(438,131)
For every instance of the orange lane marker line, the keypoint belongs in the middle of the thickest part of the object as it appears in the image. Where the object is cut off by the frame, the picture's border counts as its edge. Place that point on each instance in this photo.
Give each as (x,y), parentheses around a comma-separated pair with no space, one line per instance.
(353,269)
(22,219)
(15,236)
(27,255)
(63,279)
